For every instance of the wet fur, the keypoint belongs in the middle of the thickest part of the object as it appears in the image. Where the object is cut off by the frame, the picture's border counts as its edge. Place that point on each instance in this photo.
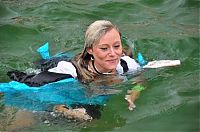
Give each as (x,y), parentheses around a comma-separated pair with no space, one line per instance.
(77,113)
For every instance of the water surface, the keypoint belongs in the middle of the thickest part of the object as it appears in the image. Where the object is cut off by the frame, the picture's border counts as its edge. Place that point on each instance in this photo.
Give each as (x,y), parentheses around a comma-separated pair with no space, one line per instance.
(159,29)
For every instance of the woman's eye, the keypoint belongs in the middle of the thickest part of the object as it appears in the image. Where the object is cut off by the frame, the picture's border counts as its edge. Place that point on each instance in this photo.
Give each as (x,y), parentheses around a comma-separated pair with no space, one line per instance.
(104,49)
(117,46)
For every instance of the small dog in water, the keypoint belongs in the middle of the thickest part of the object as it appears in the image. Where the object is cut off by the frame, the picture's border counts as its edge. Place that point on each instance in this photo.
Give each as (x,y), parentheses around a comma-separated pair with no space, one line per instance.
(77,113)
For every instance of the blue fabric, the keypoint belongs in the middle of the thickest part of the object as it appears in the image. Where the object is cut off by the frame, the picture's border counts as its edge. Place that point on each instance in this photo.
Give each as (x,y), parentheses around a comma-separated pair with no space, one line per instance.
(44,51)
(141,59)
(68,91)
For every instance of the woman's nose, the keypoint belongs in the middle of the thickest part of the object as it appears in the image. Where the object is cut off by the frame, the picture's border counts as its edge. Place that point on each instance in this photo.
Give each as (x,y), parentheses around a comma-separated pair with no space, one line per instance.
(112,51)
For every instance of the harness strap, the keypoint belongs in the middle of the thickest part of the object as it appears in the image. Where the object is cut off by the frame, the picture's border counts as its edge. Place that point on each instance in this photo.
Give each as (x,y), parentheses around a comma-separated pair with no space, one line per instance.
(124,65)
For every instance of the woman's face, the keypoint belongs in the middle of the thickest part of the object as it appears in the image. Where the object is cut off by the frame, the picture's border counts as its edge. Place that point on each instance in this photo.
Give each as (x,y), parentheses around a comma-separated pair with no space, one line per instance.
(107,51)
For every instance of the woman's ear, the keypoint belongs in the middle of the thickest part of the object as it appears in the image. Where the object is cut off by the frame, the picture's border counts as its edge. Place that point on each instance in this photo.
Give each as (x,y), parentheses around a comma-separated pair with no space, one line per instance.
(89,50)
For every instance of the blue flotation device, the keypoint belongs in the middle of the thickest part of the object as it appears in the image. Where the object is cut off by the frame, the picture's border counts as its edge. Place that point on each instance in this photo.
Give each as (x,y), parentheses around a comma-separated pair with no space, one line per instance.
(141,59)
(67,91)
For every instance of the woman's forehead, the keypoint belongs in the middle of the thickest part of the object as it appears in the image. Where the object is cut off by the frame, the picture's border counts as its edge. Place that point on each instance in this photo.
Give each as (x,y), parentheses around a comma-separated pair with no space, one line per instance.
(110,37)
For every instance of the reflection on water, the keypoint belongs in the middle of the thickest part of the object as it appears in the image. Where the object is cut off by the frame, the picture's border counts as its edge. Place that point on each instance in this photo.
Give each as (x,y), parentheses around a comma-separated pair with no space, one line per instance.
(160,29)
(15,120)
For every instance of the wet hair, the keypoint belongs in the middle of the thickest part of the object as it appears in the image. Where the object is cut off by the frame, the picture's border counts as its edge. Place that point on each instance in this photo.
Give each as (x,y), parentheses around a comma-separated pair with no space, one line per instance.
(92,35)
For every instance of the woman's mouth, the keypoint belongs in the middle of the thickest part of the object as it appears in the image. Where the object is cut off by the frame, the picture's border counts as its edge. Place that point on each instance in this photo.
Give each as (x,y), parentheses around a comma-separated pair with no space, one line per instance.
(112,61)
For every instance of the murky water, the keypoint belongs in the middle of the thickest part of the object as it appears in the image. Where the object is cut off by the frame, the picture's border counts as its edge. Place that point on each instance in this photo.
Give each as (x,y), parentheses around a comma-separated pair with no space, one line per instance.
(161,29)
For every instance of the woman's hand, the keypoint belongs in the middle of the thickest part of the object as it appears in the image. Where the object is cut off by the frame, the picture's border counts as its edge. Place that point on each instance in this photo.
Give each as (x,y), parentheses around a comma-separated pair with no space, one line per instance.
(132,95)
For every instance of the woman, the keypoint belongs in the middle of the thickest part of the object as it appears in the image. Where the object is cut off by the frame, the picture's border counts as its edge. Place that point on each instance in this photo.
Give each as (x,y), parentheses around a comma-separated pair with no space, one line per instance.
(103,54)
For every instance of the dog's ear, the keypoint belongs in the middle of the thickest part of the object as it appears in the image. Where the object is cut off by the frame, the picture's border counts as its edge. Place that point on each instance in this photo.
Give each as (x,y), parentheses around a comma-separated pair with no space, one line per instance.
(64,106)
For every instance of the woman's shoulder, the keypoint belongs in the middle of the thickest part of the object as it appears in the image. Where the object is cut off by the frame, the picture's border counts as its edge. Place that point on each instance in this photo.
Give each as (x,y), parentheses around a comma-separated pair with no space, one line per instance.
(64,67)
(127,65)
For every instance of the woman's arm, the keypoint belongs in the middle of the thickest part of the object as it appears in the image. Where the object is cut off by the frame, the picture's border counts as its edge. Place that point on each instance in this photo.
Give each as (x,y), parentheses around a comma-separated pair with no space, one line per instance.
(134,92)
(63,70)
(36,80)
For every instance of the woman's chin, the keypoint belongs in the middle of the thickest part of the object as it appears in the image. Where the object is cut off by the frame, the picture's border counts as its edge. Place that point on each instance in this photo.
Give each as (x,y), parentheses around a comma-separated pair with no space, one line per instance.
(111,69)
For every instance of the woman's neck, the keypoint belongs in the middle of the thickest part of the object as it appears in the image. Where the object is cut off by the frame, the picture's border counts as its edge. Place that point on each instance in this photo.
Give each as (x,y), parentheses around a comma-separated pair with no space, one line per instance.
(100,72)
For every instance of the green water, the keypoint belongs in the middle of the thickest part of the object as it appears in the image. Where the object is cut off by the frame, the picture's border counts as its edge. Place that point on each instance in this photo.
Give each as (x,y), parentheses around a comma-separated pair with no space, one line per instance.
(160,29)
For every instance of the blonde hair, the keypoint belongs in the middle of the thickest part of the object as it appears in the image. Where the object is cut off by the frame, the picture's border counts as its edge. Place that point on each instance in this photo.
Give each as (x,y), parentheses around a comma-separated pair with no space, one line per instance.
(92,35)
